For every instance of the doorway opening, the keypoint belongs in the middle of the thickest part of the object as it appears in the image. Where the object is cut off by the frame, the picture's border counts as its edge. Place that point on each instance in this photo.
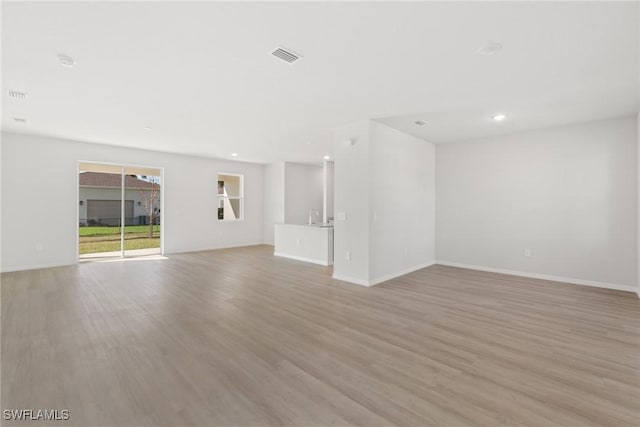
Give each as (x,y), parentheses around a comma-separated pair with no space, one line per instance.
(119,210)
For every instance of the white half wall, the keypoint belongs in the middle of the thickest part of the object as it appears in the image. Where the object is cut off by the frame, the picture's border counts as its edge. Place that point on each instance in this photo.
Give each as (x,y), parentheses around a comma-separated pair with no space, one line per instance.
(273,199)
(40,199)
(567,196)
(303,190)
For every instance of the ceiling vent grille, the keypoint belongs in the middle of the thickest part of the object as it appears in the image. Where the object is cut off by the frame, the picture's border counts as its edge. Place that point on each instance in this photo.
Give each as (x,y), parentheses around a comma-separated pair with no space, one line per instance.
(286,55)
(17,95)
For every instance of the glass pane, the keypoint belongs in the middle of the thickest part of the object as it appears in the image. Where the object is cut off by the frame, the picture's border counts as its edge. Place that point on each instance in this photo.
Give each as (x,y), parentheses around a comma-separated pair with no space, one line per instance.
(100,209)
(230,185)
(142,211)
(229,209)
(235,206)
(221,207)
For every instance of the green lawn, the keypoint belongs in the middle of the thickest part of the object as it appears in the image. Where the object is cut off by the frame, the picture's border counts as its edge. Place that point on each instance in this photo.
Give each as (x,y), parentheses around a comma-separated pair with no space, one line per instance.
(90,246)
(107,239)
(101,231)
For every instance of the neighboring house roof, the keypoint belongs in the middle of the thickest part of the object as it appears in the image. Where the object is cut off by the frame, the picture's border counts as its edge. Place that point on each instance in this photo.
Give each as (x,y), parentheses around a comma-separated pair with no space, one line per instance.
(97,179)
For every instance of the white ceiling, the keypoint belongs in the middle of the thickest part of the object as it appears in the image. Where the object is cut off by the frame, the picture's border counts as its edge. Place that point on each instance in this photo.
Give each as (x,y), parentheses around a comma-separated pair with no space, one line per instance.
(200,74)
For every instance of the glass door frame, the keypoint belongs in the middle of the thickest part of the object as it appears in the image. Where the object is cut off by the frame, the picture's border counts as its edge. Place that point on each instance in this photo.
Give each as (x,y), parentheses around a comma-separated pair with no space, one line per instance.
(122,167)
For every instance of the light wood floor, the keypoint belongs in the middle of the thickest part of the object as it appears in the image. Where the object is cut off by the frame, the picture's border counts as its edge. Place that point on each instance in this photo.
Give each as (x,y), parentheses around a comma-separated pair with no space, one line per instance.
(239,338)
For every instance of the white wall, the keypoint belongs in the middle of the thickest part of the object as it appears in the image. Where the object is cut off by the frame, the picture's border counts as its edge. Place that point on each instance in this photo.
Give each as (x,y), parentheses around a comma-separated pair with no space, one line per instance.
(402,202)
(273,199)
(351,197)
(291,189)
(1,198)
(569,194)
(303,190)
(638,212)
(385,184)
(327,206)
(41,172)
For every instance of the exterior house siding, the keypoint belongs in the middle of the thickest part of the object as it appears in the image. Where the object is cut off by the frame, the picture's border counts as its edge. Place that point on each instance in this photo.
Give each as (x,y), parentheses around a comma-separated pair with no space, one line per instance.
(101,193)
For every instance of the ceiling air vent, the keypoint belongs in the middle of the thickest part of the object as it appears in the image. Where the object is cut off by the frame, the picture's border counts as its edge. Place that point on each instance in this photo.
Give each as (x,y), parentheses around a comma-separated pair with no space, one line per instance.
(286,55)
(17,95)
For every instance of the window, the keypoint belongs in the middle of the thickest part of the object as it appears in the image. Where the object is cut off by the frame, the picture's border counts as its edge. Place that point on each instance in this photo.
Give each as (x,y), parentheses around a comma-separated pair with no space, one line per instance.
(230,197)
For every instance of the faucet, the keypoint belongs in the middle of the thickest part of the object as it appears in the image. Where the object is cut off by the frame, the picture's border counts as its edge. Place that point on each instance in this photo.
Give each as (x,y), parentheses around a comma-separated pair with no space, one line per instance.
(310,212)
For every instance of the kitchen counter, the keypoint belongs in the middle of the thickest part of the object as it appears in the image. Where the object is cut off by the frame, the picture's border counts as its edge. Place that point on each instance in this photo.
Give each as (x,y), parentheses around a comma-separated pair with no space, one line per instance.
(309,243)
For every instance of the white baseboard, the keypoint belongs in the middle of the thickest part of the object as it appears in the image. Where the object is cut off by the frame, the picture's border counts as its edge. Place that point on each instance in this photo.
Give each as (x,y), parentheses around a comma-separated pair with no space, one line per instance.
(299,258)
(241,245)
(401,273)
(560,279)
(36,267)
(210,248)
(353,280)
(382,279)
(179,251)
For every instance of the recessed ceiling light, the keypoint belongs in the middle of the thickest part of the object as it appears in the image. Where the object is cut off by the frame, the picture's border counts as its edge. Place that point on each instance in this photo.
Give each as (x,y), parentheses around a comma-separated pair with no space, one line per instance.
(234,154)
(20,119)
(326,157)
(420,122)
(66,61)
(490,48)
(499,117)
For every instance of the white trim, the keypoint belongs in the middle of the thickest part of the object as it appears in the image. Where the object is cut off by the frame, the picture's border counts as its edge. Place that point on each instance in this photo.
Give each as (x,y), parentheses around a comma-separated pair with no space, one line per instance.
(83,260)
(231,220)
(299,258)
(76,226)
(116,188)
(205,249)
(401,273)
(162,211)
(123,220)
(38,266)
(351,280)
(325,196)
(382,279)
(559,279)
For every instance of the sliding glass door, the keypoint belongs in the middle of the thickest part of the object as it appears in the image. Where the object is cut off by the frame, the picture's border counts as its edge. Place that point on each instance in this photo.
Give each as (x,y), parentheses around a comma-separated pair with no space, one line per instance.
(119,210)
(142,219)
